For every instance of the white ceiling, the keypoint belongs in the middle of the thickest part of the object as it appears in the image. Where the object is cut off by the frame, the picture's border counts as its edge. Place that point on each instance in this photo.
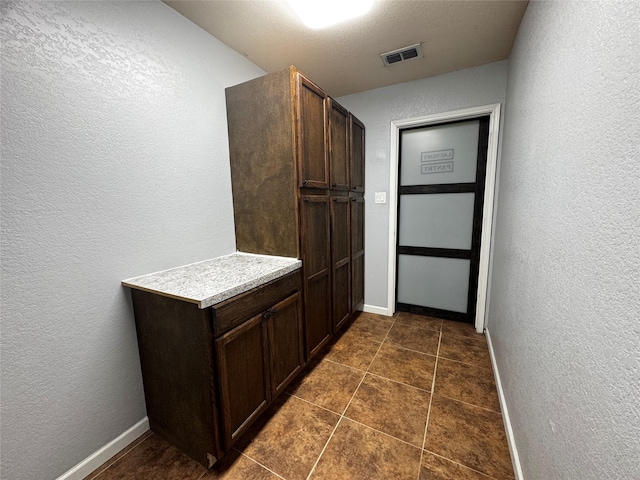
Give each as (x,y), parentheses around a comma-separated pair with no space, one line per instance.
(345,58)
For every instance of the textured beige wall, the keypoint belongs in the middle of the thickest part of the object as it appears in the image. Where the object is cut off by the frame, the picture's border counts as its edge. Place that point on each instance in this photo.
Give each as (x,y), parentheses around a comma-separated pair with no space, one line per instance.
(565,302)
(114,164)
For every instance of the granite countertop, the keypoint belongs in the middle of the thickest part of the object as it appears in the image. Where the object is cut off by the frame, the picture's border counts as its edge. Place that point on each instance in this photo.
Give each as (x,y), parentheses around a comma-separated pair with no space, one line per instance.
(213,281)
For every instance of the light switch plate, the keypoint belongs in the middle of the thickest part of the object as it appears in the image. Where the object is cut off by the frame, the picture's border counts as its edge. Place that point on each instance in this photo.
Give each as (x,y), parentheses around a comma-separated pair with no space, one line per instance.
(380,197)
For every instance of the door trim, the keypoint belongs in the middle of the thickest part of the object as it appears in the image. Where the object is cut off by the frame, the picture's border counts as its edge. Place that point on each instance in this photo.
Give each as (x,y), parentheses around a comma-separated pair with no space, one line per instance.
(493,111)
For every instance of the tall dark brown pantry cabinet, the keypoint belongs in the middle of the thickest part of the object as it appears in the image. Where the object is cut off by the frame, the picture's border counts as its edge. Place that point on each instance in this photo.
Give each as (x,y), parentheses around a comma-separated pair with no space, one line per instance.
(297,171)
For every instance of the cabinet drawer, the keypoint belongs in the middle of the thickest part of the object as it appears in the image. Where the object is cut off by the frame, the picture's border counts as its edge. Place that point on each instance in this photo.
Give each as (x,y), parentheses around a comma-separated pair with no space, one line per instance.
(236,310)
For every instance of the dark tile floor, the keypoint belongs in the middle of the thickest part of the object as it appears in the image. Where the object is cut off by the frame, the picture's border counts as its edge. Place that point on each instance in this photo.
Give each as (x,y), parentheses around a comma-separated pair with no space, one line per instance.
(408,397)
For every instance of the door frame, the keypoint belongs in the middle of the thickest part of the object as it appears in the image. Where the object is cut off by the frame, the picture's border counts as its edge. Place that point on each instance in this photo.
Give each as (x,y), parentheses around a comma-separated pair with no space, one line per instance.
(493,111)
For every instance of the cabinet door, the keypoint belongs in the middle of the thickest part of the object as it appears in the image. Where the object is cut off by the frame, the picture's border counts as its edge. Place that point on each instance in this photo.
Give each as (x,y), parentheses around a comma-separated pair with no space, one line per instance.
(244,376)
(316,271)
(357,252)
(357,155)
(340,261)
(313,161)
(285,342)
(339,150)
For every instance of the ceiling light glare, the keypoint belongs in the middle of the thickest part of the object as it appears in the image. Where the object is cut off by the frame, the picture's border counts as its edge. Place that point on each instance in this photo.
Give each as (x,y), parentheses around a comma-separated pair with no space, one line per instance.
(324,13)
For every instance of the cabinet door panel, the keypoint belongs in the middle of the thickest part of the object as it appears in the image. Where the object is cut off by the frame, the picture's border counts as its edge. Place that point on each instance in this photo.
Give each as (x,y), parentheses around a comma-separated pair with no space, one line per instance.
(357,225)
(338,146)
(357,155)
(316,271)
(312,136)
(317,313)
(357,251)
(244,376)
(285,341)
(357,281)
(340,259)
(341,295)
(340,234)
(315,234)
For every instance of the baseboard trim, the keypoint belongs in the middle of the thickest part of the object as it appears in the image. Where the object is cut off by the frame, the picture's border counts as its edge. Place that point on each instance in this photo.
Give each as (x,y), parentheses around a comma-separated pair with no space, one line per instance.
(100,456)
(515,459)
(374,309)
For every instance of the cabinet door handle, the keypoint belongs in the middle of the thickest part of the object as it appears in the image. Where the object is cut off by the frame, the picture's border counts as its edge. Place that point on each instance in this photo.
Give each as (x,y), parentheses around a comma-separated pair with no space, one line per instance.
(270,313)
(307,199)
(334,185)
(305,182)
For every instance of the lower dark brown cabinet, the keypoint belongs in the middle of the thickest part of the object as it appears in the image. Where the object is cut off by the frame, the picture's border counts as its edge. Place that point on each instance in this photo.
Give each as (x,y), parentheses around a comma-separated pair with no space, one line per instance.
(209,373)
(256,361)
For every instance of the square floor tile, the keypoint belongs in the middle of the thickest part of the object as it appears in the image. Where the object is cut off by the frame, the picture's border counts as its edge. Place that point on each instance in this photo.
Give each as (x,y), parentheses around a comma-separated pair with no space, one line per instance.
(356,452)
(471,350)
(459,328)
(420,339)
(151,459)
(437,468)
(391,407)
(406,366)
(466,383)
(425,321)
(235,466)
(469,435)
(329,385)
(289,437)
(371,326)
(352,350)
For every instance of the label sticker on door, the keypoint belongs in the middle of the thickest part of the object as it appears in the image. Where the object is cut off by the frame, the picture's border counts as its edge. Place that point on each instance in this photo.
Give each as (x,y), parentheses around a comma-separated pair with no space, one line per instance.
(437,161)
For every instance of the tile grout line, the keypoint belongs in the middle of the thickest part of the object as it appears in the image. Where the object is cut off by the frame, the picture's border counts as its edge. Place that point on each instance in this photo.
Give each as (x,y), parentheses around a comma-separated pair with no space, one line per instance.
(349,403)
(311,403)
(400,347)
(398,382)
(344,364)
(459,401)
(433,387)
(470,404)
(460,464)
(466,363)
(381,432)
(257,462)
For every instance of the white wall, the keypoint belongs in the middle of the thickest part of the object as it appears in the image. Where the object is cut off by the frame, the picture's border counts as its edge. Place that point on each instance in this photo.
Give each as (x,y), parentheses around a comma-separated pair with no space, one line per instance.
(565,301)
(114,164)
(377,109)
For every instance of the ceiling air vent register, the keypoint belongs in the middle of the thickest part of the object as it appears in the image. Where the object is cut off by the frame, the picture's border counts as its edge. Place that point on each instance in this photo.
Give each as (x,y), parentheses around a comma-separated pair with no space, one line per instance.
(400,55)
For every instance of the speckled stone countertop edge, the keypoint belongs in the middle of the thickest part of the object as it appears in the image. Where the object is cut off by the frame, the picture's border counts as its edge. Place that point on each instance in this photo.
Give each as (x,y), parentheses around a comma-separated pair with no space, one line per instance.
(174,283)
(249,285)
